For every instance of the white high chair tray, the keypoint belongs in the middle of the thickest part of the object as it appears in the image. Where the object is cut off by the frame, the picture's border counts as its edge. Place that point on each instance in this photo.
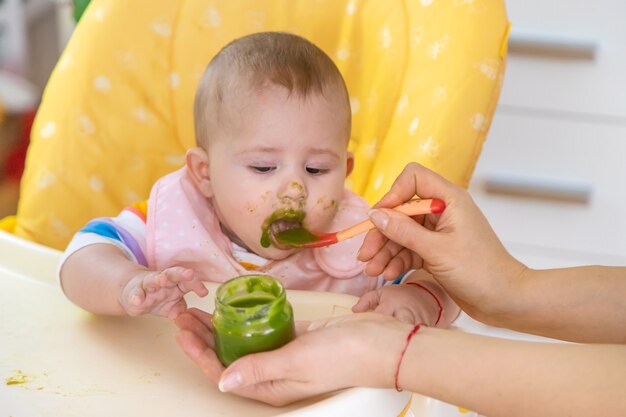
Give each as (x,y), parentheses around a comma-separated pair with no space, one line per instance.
(57,360)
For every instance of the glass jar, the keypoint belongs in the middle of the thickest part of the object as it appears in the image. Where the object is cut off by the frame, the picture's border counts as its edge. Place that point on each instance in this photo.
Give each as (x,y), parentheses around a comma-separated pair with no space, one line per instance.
(251,314)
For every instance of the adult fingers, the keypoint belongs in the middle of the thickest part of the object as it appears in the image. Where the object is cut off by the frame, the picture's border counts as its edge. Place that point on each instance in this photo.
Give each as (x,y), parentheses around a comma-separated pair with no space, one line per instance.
(202,316)
(177,309)
(254,369)
(415,180)
(372,244)
(379,262)
(279,392)
(187,321)
(405,231)
(201,354)
(397,266)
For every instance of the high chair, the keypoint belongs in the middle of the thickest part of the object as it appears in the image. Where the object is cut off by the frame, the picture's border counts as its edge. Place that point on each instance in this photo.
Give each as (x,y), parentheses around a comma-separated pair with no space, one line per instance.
(424,78)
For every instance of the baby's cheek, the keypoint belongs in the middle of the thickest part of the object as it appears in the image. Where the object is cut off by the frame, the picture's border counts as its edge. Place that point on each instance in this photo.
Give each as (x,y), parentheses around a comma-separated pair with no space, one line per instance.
(323,212)
(259,206)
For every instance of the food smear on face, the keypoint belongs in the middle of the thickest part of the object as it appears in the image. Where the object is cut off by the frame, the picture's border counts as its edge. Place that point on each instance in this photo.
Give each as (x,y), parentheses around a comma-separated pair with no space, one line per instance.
(291,216)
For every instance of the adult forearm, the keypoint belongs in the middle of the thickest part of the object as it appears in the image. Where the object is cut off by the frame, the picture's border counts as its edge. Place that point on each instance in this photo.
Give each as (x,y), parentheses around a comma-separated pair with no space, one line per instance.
(94,276)
(583,304)
(502,377)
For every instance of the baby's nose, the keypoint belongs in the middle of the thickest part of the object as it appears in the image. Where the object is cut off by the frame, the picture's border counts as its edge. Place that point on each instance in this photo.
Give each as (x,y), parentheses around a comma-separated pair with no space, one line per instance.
(293,191)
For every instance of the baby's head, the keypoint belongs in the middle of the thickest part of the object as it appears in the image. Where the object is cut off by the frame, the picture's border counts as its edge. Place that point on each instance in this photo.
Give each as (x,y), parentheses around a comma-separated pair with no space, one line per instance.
(272,120)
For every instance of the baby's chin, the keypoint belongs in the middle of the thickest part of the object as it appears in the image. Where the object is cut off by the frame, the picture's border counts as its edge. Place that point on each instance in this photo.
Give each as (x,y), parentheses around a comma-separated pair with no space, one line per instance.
(275,254)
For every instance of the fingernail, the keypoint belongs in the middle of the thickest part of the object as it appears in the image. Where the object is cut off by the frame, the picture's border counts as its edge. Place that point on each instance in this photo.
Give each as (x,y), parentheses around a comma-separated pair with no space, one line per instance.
(230,382)
(379,219)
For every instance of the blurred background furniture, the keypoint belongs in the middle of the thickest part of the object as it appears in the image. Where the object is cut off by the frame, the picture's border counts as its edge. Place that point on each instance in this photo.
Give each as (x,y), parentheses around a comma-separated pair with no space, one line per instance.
(551,176)
(424,79)
(32,35)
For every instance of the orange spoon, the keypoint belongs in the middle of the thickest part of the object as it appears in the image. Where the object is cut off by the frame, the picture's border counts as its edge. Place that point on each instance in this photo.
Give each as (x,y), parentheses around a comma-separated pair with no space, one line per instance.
(303,238)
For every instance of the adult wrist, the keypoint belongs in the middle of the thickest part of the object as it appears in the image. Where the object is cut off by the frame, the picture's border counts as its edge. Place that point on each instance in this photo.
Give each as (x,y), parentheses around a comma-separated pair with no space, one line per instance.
(416,367)
(396,342)
(506,300)
(409,338)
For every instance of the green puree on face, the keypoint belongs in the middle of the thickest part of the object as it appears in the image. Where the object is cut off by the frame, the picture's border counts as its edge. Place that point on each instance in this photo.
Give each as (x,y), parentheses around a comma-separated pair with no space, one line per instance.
(252,314)
(282,214)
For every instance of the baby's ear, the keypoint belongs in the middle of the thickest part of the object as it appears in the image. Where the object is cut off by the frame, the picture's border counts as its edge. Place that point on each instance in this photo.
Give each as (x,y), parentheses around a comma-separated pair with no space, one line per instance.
(197,161)
(349,163)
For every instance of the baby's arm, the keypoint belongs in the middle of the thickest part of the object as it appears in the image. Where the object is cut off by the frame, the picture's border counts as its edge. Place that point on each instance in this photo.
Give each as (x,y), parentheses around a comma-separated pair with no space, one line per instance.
(101,279)
(419,299)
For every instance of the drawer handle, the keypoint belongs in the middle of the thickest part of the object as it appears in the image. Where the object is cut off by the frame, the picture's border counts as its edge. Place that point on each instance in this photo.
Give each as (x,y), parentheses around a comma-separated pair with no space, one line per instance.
(552,45)
(546,188)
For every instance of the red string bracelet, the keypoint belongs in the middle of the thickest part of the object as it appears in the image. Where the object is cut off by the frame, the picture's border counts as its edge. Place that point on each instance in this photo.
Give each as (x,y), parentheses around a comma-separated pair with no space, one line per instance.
(433,295)
(406,346)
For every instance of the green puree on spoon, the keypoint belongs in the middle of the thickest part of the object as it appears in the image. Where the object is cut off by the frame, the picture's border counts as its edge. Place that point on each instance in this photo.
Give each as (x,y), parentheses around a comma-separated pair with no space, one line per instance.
(295,237)
(287,215)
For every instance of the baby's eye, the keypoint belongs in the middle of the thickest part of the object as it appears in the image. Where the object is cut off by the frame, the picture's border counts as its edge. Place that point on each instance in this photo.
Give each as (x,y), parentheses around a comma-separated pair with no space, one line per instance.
(316,171)
(262,169)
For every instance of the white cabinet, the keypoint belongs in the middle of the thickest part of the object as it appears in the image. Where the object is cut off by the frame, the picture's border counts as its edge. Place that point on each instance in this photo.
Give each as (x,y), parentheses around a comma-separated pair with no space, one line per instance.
(560,134)
(547,79)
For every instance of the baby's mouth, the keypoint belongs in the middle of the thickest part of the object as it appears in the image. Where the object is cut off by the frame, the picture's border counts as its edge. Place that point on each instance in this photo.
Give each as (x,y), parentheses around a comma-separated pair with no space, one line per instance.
(280,221)
(279,226)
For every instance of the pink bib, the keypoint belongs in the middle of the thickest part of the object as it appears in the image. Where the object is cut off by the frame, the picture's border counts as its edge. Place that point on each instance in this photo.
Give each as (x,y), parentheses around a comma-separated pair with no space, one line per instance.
(183,230)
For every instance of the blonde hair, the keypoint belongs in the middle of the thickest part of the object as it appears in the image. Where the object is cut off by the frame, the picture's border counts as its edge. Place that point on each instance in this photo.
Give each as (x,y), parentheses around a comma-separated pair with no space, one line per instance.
(278,58)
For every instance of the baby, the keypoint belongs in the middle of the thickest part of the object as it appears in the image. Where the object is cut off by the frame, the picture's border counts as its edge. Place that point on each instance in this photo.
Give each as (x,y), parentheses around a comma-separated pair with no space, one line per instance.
(272,123)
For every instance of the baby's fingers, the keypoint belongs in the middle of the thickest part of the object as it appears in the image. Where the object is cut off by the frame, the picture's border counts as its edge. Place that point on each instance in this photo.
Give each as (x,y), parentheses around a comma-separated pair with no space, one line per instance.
(137,297)
(368,301)
(151,282)
(404,315)
(183,278)
(132,301)
(171,277)
(195,286)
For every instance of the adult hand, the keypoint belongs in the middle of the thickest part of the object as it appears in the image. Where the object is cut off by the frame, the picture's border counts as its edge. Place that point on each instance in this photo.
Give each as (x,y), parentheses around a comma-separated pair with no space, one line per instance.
(196,339)
(327,355)
(458,247)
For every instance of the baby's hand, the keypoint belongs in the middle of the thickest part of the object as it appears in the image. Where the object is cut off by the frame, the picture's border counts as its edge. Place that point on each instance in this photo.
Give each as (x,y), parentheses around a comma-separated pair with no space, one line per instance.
(407,303)
(161,293)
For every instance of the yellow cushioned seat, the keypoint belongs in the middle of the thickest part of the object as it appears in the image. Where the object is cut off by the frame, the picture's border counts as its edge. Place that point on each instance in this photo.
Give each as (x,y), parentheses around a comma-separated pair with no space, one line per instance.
(424,77)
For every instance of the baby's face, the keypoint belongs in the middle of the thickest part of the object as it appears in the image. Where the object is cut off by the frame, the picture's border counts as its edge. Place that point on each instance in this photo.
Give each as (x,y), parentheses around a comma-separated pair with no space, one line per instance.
(281,155)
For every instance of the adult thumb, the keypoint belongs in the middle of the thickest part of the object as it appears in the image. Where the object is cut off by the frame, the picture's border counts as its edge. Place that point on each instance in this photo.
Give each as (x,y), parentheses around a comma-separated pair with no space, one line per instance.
(251,370)
(402,229)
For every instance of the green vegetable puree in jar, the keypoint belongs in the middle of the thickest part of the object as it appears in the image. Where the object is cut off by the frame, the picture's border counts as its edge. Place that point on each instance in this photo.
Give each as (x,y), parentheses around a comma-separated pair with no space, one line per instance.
(251,315)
